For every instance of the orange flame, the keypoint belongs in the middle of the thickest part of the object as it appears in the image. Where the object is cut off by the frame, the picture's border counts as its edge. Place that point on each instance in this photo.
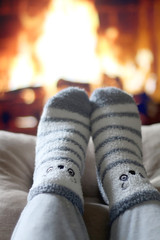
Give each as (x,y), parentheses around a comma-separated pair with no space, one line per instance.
(66,49)
(70,48)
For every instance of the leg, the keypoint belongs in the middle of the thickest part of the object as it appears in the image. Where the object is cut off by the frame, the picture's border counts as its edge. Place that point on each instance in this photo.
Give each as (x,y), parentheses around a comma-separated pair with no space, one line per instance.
(140,222)
(55,201)
(116,132)
(50,217)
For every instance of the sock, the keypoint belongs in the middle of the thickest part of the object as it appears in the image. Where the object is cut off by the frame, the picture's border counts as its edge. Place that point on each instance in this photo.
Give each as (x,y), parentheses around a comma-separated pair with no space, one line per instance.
(62,139)
(116,133)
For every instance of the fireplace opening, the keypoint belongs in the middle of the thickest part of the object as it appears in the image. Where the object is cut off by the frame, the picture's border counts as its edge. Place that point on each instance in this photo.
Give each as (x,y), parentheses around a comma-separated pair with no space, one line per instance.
(48,45)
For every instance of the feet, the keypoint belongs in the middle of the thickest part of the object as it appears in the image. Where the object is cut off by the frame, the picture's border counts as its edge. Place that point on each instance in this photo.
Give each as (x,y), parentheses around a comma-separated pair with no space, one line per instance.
(116,133)
(62,139)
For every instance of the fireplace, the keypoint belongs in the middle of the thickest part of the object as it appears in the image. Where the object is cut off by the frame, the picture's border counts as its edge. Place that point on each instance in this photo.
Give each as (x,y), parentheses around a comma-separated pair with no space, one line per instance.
(48,45)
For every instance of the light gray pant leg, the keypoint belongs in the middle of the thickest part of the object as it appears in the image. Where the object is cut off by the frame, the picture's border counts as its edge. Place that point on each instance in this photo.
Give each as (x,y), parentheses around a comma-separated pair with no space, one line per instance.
(50,217)
(141,222)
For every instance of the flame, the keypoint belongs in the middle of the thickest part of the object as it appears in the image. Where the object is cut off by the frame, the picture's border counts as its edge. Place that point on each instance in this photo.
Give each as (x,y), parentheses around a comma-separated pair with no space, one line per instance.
(133,73)
(22,71)
(71,48)
(67,48)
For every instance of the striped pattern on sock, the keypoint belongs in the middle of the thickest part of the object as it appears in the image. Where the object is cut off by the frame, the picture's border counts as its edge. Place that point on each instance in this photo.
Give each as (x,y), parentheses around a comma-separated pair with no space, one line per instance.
(62,139)
(116,132)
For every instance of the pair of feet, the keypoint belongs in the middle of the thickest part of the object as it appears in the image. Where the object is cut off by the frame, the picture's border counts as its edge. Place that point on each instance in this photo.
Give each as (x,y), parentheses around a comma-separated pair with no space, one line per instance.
(110,116)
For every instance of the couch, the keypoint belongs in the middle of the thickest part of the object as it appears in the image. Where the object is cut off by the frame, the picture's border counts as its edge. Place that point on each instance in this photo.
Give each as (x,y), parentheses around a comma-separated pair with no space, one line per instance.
(17,153)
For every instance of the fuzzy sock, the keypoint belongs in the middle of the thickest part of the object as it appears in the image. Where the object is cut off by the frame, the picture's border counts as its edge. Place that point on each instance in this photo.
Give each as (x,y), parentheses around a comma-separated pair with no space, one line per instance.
(62,139)
(116,133)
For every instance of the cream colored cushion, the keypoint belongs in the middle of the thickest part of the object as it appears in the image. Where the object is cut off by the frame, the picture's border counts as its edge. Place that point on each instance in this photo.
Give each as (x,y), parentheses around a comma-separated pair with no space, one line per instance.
(16,171)
(151,152)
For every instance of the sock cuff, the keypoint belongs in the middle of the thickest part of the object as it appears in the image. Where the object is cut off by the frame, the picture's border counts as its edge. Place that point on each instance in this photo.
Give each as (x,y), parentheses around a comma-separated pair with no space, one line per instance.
(131,201)
(60,190)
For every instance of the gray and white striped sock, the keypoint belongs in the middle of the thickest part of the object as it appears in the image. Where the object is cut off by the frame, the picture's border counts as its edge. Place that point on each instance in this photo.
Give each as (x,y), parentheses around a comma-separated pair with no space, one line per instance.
(116,133)
(62,139)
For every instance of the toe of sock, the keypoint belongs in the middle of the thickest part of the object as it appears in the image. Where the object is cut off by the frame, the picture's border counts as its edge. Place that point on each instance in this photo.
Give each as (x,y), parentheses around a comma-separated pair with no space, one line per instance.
(71,99)
(109,96)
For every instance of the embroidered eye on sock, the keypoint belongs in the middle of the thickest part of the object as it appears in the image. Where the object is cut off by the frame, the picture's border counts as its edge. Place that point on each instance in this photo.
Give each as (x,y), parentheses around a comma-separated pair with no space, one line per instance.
(116,133)
(62,139)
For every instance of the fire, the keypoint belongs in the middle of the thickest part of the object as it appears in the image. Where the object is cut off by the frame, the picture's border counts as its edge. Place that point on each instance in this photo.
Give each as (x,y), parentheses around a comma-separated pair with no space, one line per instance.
(22,71)
(66,48)
(133,73)
(70,48)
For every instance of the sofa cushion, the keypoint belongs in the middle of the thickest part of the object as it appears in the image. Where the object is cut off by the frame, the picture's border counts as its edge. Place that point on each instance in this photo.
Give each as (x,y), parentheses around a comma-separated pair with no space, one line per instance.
(151,152)
(16,169)
(17,153)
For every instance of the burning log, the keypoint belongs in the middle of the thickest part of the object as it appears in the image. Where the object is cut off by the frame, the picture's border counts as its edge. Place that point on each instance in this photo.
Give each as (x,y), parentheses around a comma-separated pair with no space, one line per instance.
(62,83)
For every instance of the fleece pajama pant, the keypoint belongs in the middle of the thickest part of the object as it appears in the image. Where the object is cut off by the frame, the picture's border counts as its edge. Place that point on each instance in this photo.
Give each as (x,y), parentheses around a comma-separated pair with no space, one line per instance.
(53,217)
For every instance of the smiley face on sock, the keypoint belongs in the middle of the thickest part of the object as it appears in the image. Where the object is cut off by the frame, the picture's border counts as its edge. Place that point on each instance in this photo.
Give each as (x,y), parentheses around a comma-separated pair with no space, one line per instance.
(70,173)
(59,171)
(69,170)
(128,178)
